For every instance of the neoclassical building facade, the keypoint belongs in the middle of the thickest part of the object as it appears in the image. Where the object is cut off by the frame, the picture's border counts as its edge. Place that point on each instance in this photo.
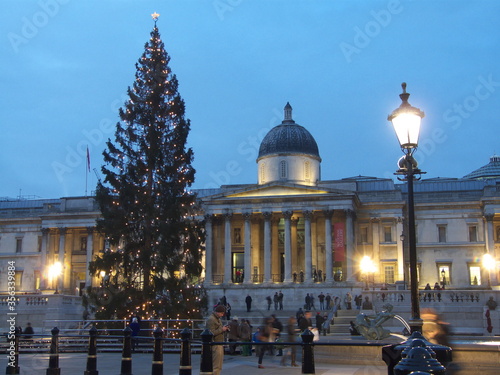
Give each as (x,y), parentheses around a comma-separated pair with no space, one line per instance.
(292,228)
(289,230)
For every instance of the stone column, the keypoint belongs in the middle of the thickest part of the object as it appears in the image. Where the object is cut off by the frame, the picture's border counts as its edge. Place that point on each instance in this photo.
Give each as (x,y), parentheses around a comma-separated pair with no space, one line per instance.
(208,249)
(247,257)
(62,243)
(375,246)
(308,246)
(267,246)
(275,254)
(43,261)
(350,243)
(490,246)
(328,246)
(288,246)
(227,247)
(90,254)
(400,253)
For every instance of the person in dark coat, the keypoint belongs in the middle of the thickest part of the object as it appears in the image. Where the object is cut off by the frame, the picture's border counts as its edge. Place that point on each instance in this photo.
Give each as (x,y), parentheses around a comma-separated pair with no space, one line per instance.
(305,322)
(135,326)
(248,301)
(28,332)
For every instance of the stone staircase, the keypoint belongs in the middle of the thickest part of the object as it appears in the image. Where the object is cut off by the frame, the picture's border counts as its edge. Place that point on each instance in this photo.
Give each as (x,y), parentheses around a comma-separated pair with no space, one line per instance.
(341,322)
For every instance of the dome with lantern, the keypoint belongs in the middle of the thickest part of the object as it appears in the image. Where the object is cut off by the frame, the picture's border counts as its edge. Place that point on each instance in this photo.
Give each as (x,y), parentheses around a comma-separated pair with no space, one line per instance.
(289,153)
(488,171)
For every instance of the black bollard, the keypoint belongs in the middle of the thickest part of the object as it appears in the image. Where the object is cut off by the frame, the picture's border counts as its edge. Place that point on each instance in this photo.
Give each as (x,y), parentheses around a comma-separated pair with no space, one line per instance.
(54,353)
(307,352)
(157,367)
(392,354)
(418,358)
(185,366)
(127,352)
(92,356)
(13,352)
(206,365)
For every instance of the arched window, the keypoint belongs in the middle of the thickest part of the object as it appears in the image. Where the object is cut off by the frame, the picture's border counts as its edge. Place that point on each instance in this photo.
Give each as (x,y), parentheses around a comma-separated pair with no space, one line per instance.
(283,169)
(307,171)
(262,173)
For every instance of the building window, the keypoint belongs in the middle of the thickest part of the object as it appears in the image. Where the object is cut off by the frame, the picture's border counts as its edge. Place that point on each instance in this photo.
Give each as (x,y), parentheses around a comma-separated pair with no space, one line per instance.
(389,274)
(307,170)
(39,245)
(444,274)
(262,173)
(19,245)
(474,274)
(18,280)
(363,235)
(419,265)
(237,236)
(283,169)
(441,233)
(498,234)
(472,233)
(387,234)
(38,279)
(83,243)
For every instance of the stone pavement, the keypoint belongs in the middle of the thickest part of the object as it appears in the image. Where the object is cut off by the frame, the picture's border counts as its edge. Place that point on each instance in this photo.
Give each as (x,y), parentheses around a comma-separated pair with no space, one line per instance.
(110,364)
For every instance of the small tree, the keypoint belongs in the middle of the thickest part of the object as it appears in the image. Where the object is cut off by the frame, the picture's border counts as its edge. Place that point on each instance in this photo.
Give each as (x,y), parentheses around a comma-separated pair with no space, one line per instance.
(152,264)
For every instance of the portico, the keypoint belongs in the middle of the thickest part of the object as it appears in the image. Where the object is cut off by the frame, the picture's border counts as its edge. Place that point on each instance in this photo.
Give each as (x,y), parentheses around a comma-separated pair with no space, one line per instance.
(282,240)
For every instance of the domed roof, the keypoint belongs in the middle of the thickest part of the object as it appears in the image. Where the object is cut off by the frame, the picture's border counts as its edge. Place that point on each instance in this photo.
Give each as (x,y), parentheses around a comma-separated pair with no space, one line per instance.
(490,170)
(288,138)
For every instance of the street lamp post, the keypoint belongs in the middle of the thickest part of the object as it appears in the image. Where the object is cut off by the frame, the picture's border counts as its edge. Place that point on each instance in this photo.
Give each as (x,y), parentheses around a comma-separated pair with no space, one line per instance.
(54,272)
(406,121)
(367,267)
(488,263)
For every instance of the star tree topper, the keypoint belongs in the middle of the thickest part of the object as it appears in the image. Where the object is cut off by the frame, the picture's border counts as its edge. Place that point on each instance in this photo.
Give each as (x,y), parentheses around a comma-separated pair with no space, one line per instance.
(155,16)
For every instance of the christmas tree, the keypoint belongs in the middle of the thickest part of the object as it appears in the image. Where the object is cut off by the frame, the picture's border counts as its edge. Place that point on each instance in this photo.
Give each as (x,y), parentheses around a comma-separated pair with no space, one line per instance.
(152,258)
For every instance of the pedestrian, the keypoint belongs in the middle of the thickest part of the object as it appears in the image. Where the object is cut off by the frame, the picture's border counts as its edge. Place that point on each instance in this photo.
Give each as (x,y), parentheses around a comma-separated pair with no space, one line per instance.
(319,321)
(320,276)
(28,332)
(321,299)
(269,302)
(256,338)
(348,301)
(326,325)
(265,335)
(248,301)
(367,305)
(291,337)
(233,334)
(358,300)
(276,301)
(328,300)
(305,322)
(228,311)
(312,307)
(277,328)
(135,326)
(214,325)
(245,334)
(280,300)
(299,314)
(307,301)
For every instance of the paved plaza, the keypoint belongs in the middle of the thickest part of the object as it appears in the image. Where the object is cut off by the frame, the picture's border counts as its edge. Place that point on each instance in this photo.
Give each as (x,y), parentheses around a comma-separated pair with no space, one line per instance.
(110,364)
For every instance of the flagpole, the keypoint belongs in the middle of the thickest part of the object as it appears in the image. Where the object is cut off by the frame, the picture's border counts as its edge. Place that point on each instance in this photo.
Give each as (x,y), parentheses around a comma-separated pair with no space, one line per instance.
(87,169)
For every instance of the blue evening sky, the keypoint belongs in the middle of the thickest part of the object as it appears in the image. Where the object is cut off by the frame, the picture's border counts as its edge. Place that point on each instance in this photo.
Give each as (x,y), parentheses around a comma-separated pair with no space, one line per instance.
(66,64)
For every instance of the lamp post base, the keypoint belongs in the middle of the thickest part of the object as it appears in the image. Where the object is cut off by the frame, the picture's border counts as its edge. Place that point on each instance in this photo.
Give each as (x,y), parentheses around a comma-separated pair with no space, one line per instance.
(416,324)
